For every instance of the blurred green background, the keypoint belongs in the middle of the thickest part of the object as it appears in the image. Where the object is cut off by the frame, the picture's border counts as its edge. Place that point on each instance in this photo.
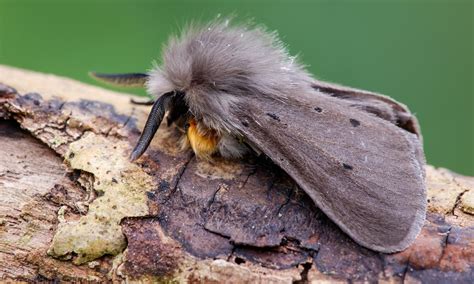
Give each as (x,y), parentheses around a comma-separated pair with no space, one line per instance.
(418,52)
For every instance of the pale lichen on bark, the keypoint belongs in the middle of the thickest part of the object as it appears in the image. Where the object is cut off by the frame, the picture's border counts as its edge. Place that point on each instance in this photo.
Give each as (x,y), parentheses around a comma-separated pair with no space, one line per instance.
(467,202)
(121,186)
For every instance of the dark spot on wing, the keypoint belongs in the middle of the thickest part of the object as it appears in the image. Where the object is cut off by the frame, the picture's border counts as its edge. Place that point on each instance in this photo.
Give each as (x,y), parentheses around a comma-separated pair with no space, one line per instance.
(347,167)
(274,116)
(245,123)
(354,122)
(318,109)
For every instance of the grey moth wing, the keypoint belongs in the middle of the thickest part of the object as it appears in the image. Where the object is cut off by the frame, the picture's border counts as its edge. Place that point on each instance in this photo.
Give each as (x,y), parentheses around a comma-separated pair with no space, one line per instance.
(380,105)
(364,172)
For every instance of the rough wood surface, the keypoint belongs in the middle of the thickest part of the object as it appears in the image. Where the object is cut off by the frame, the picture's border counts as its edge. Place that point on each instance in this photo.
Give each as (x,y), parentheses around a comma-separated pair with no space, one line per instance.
(72,207)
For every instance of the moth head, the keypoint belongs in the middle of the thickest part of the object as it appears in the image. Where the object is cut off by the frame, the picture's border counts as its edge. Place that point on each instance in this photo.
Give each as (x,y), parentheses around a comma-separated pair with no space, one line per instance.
(212,68)
(217,64)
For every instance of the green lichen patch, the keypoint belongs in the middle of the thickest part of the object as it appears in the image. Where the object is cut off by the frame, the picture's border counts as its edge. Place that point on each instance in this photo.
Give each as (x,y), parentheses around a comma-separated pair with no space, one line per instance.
(121,187)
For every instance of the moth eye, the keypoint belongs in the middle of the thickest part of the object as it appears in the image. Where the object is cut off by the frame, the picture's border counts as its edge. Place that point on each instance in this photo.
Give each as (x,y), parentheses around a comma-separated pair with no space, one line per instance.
(318,109)
(245,123)
(347,167)
(354,122)
(186,126)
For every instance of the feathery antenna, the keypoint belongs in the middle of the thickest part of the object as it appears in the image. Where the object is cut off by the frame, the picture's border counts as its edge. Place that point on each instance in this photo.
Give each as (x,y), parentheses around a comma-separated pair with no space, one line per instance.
(123,80)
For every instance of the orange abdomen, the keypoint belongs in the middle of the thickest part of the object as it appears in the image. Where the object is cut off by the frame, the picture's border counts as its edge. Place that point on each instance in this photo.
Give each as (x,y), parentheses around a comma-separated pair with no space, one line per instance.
(203,141)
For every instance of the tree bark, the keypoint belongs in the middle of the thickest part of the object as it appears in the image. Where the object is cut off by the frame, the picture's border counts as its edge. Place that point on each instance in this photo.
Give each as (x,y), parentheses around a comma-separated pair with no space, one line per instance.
(72,206)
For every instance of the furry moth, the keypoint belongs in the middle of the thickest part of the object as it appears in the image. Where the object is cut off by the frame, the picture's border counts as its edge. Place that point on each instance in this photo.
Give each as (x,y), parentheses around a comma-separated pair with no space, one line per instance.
(235,89)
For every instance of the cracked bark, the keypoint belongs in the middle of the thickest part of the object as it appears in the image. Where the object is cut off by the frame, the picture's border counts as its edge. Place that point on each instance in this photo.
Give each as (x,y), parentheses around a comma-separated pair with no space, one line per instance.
(221,221)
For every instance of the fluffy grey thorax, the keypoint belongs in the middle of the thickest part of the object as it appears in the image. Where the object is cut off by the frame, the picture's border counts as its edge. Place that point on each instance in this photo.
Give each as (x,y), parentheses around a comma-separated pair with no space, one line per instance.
(217,65)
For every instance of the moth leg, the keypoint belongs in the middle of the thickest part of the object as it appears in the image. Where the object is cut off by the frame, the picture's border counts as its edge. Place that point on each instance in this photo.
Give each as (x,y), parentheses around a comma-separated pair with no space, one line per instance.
(232,147)
(203,140)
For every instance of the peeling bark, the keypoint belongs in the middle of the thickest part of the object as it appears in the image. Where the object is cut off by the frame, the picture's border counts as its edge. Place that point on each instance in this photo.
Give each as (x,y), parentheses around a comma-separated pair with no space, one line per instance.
(67,188)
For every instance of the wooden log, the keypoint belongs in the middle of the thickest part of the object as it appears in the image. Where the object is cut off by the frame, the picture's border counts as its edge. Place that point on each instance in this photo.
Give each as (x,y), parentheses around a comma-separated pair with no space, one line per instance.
(72,206)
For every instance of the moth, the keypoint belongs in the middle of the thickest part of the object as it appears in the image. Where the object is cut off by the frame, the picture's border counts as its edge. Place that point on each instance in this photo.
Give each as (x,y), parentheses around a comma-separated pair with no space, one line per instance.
(235,90)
